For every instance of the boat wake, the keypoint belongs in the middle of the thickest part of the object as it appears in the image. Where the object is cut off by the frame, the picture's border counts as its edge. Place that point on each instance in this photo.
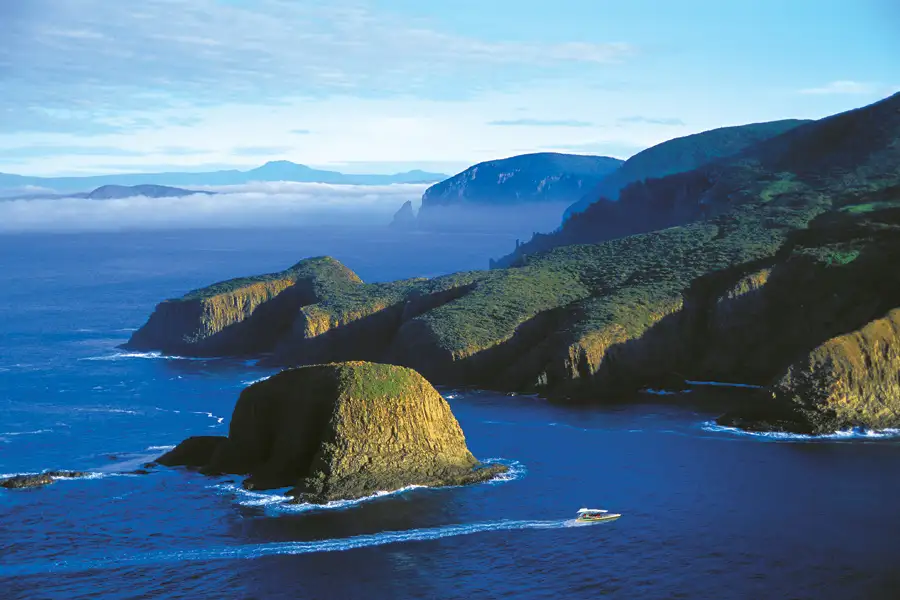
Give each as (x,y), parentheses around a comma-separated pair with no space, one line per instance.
(251,551)
(857,433)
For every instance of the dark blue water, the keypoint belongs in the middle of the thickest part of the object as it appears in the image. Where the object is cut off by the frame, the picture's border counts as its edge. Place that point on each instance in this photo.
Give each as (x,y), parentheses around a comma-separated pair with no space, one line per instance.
(707,513)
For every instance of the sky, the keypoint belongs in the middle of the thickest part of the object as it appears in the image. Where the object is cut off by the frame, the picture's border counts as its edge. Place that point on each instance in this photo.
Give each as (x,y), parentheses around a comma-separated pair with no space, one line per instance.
(380,86)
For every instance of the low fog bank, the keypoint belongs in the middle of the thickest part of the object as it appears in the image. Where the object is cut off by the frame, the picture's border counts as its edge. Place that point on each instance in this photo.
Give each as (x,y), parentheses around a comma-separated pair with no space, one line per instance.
(263,204)
(520,221)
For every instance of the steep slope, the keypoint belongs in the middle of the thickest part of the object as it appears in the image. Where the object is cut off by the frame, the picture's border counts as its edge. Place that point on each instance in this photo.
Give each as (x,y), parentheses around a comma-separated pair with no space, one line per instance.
(779,252)
(339,431)
(528,179)
(679,155)
(846,153)
(240,316)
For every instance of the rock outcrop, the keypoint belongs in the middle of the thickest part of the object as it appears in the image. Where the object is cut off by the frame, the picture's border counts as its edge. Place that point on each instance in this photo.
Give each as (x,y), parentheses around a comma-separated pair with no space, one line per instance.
(339,431)
(851,380)
(404,218)
(38,479)
(241,316)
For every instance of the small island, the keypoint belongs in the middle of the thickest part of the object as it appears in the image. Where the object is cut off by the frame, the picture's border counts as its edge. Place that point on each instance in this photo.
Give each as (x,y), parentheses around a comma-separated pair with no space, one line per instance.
(339,431)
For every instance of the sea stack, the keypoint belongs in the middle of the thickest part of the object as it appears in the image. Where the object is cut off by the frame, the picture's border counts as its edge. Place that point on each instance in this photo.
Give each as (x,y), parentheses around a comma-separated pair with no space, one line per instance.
(404,218)
(339,431)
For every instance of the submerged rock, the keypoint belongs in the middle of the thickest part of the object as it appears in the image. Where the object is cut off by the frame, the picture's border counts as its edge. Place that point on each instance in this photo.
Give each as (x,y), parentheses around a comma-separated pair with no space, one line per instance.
(339,431)
(39,479)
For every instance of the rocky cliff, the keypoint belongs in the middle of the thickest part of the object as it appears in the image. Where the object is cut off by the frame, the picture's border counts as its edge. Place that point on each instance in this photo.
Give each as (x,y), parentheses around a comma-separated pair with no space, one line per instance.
(769,258)
(525,192)
(850,380)
(404,218)
(241,316)
(339,431)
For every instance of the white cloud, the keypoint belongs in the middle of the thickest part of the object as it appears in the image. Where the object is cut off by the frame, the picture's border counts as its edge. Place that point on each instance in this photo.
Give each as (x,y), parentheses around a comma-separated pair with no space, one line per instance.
(252,205)
(88,55)
(845,87)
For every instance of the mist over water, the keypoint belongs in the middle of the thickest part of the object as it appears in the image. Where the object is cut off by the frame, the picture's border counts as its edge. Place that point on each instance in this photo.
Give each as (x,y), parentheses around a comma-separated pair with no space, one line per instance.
(521,220)
(265,204)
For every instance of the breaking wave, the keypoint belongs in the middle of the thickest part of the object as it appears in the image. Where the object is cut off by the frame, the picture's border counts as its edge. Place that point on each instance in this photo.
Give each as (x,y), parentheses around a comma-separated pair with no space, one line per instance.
(276,501)
(145,355)
(847,434)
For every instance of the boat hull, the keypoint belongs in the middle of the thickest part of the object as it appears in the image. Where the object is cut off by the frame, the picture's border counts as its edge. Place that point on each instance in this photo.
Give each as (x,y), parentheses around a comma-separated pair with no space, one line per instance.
(597,519)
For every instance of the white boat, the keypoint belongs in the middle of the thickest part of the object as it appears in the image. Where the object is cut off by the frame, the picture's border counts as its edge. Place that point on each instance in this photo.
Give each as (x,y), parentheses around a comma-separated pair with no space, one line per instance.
(595,515)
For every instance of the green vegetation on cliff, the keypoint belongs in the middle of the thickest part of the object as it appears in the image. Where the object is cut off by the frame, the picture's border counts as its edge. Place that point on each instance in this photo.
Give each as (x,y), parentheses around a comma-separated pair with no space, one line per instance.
(339,431)
(680,155)
(733,271)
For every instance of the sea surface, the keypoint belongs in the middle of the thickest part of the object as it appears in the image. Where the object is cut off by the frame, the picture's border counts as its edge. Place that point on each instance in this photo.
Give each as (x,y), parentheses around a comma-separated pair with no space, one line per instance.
(707,512)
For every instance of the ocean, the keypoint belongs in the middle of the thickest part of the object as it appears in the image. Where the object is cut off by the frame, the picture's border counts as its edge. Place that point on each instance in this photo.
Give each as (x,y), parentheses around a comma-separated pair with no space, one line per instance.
(707,512)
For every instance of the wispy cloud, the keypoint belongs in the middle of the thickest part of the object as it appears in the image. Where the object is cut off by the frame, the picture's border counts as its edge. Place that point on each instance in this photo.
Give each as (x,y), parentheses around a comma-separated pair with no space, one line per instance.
(651,120)
(540,123)
(96,56)
(260,150)
(844,87)
(180,151)
(38,151)
(300,131)
(257,205)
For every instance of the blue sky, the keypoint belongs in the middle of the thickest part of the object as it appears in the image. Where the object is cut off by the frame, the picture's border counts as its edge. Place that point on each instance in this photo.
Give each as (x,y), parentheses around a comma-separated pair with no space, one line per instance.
(95,86)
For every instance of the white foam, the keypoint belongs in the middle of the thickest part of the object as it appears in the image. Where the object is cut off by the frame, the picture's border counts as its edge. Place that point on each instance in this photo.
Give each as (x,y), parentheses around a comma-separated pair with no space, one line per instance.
(35,432)
(846,434)
(105,409)
(515,470)
(87,475)
(145,355)
(251,551)
(277,501)
(252,381)
(159,448)
(218,419)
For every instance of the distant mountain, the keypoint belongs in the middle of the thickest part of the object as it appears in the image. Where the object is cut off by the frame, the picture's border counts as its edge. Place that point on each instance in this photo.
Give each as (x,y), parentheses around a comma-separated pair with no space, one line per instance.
(529,179)
(681,154)
(112,192)
(280,170)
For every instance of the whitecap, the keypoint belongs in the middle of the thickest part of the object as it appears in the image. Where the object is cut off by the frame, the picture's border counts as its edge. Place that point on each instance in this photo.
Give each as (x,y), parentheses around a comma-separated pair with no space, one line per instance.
(252,381)
(105,409)
(35,432)
(219,420)
(145,355)
(846,434)
(159,448)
